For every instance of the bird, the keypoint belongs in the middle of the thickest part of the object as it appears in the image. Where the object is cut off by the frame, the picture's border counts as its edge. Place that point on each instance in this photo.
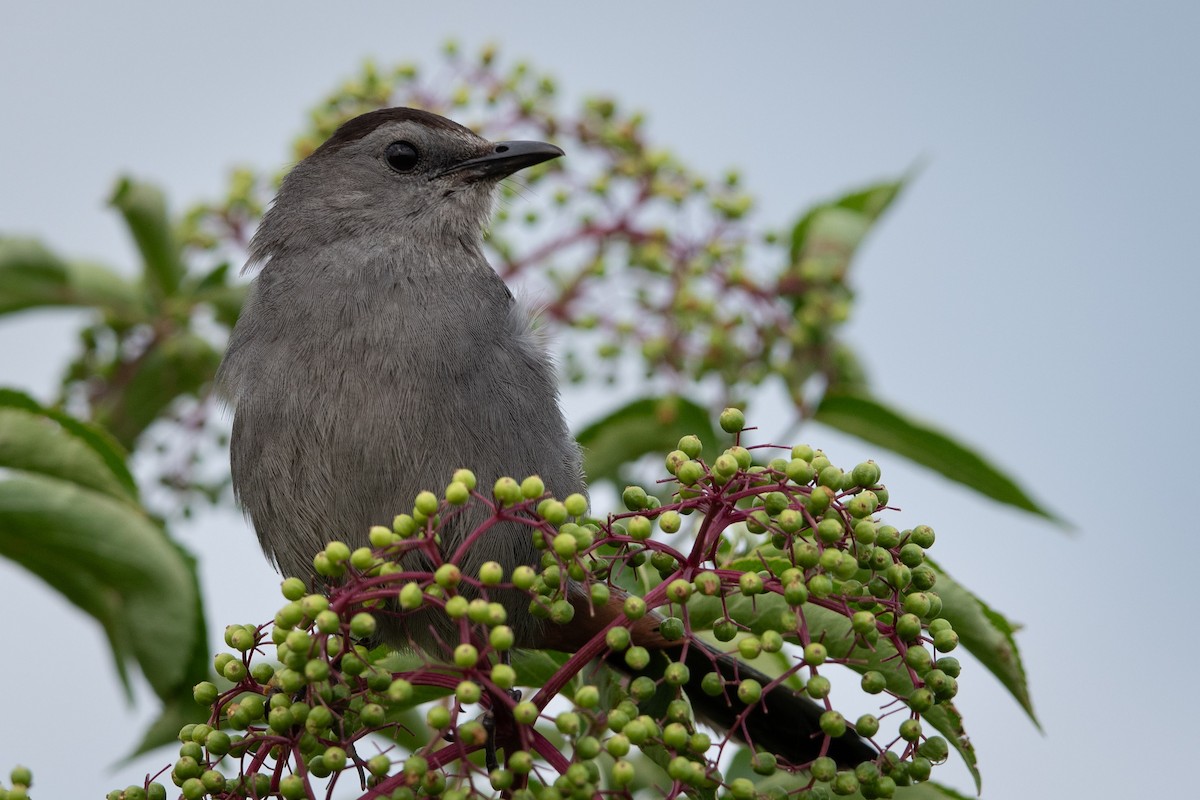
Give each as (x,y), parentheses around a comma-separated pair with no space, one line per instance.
(378,351)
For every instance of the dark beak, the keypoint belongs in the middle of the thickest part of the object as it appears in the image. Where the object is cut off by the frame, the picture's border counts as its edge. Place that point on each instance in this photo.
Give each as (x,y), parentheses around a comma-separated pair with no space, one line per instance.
(505,159)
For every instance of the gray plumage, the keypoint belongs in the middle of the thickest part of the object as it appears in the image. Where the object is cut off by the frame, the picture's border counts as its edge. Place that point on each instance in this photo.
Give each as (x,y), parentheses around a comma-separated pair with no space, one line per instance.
(378,351)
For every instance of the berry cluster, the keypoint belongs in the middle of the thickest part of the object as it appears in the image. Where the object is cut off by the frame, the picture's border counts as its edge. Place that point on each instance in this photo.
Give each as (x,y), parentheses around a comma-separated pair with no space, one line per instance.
(785,558)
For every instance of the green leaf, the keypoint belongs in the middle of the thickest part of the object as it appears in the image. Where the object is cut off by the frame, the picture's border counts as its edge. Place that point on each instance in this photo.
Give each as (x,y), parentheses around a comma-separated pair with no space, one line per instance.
(51,443)
(648,425)
(180,365)
(33,277)
(144,208)
(986,634)
(837,227)
(873,422)
(114,563)
(164,729)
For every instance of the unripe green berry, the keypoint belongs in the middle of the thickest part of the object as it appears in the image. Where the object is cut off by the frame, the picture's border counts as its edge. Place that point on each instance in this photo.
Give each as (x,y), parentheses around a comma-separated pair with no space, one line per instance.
(945,641)
(764,763)
(426,503)
(820,586)
(504,676)
(689,472)
(576,505)
(815,654)
(732,420)
(467,692)
(634,498)
(795,593)
(634,607)
(750,583)
(832,723)
(447,576)
(867,725)
(724,630)
(692,446)
(533,487)
(672,629)
(637,658)
(466,656)
(293,588)
(887,537)
(749,691)
(873,682)
(818,687)
(750,647)
(910,730)
(725,467)
(438,717)
(922,536)
(507,491)
(823,769)
(457,493)
(362,625)
(908,627)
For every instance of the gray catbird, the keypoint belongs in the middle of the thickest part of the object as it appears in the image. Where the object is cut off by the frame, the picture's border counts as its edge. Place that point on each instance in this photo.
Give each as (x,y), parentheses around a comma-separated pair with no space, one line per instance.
(378,352)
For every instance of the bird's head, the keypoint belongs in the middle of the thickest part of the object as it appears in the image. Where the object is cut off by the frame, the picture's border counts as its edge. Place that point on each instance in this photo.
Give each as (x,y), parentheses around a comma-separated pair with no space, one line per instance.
(395,172)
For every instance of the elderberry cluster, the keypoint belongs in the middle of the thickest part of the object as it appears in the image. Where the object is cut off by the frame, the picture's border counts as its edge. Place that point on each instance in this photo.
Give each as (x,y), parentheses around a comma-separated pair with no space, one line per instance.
(780,559)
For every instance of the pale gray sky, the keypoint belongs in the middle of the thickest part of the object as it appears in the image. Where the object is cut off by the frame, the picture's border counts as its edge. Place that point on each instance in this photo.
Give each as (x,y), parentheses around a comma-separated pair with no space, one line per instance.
(1033,291)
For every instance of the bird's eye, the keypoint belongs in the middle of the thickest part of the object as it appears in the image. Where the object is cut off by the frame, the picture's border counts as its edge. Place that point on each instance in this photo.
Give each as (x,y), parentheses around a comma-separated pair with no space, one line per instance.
(401,156)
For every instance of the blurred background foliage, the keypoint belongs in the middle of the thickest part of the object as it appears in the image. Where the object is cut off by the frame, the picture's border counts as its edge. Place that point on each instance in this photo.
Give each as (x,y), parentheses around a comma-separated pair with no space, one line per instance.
(653,278)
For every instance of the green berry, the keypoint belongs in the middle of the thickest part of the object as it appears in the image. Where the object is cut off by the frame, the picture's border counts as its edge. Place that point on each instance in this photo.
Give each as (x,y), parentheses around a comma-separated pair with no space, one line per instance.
(832,723)
(764,763)
(724,630)
(576,505)
(887,537)
(362,625)
(457,493)
(689,472)
(873,682)
(867,725)
(912,555)
(750,647)
(447,576)
(634,498)
(818,687)
(426,504)
(466,656)
(949,665)
(750,583)
(467,692)
(935,749)
(732,420)
(504,676)
(815,654)
(507,491)
(910,730)
(945,641)
(691,446)
(637,658)
(823,769)
(293,588)
(532,487)
(438,717)
(634,607)
(922,536)
(820,586)
(749,691)
(617,638)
